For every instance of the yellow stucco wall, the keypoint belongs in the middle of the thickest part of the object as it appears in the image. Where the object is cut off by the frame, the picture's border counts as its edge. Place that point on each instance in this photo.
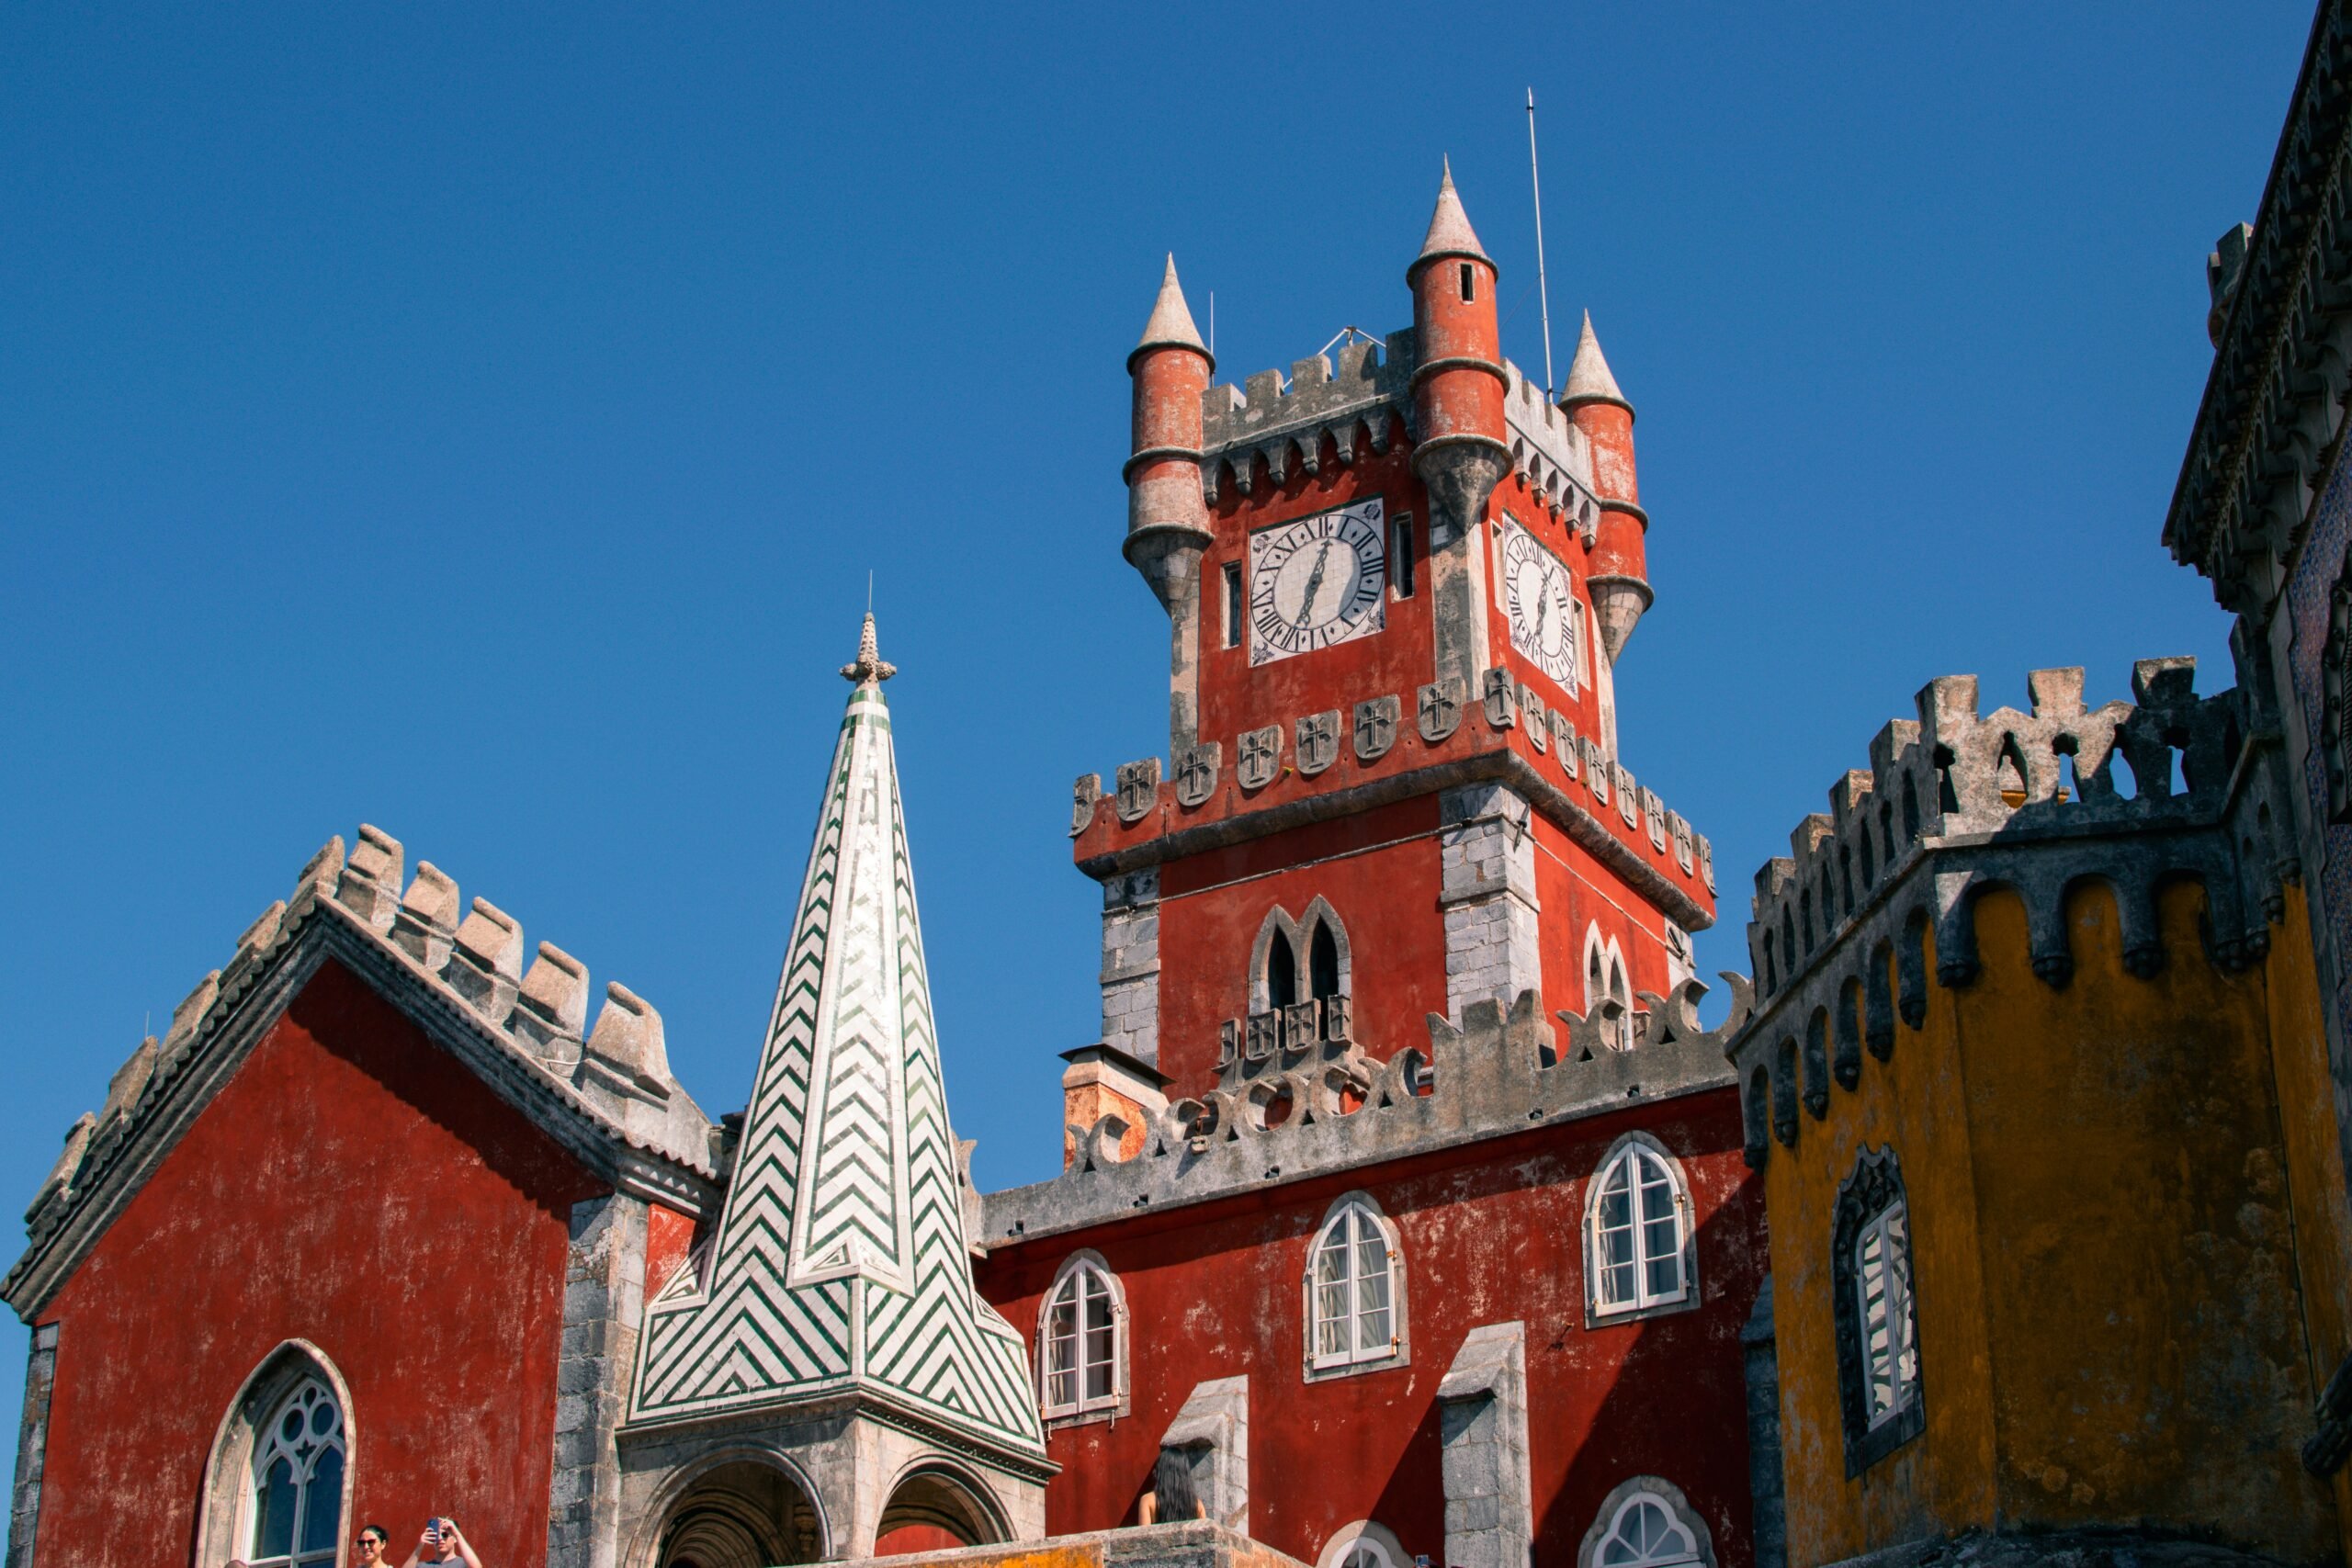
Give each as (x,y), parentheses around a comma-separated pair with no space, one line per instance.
(2103,1195)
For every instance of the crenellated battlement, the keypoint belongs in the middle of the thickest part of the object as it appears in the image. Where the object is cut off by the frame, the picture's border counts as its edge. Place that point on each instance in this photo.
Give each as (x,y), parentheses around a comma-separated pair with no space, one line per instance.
(1311,1103)
(2133,795)
(1272,426)
(613,1078)
(1593,796)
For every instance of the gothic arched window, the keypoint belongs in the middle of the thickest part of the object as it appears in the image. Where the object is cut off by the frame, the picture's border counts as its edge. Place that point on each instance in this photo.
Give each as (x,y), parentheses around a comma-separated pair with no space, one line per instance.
(296,1518)
(1354,1289)
(1323,962)
(1875,1312)
(1082,1341)
(1604,981)
(1638,1234)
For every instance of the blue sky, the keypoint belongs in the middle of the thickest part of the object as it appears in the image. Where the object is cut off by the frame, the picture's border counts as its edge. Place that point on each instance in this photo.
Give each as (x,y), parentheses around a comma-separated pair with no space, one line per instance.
(482,423)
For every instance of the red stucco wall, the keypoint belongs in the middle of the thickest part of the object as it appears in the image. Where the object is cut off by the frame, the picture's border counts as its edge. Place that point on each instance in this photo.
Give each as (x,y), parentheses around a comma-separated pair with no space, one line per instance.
(1489,1234)
(352,1186)
(1378,869)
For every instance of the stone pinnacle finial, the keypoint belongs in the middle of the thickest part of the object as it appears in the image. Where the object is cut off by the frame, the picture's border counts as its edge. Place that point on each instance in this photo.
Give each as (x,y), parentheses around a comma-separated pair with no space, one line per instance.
(1171,319)
(1450,233)
(871,668)
(1589,376)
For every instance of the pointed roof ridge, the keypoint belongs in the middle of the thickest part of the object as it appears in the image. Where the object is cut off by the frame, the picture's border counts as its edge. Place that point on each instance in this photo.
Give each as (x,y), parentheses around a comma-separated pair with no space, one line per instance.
(1171,319)
(869,668)
(1450,233)
(1590,381)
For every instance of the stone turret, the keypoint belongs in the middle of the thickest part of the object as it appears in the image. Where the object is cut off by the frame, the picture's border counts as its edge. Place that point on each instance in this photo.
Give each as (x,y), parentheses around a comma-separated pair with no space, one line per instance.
(1620,582)
(1458,388)
(1168,521)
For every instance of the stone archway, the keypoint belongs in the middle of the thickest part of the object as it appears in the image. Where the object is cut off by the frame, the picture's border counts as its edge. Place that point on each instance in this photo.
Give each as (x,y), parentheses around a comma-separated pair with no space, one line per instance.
(933,1510)
(743,1514)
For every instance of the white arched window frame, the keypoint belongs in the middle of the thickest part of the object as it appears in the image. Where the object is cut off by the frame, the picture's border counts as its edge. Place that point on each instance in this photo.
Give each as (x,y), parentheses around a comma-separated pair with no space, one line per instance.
(293,1515)
(1640,1243)
(1646,1522)
(295,1409)
(1605,980)
(1353,1291)
(1082,1343)
(1363,1544)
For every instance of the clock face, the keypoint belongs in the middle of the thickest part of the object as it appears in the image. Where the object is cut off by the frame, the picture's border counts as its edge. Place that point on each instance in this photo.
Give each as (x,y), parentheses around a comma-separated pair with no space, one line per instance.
(1546,622)
(1317,581)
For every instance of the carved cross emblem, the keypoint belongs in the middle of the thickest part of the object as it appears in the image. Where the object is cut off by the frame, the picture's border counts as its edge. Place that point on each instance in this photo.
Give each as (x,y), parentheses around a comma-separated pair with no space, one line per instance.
(1318,741)
(1502,699)
(1138,789)
(1539,723)
(1262,753)
(1596,773)
(1376,728)
(1439,709)
(1564,732)
(1196,775)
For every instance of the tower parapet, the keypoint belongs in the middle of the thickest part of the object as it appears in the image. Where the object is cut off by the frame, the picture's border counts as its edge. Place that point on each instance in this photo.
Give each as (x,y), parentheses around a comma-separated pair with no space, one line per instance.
(1954,803)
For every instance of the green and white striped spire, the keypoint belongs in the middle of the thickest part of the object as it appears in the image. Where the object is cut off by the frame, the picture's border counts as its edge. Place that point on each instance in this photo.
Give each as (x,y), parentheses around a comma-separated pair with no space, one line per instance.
(840,1262)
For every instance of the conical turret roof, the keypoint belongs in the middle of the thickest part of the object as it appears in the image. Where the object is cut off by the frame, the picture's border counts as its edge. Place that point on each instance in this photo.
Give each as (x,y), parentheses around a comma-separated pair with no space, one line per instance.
(1590,381)
(1171,319)
(1450,233)
(840,1260)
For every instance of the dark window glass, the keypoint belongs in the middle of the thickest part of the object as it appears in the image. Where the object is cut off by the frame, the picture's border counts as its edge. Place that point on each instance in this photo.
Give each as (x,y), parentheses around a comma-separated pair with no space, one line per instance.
(1400,556)
(1233,604)
(1323,963)
(1469,290)
(274,1519)
(1282,974)
(323,1503)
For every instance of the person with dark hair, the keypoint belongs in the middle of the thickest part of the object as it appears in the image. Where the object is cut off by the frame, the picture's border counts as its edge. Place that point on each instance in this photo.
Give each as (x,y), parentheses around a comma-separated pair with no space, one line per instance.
(374,1542)
(447,1542)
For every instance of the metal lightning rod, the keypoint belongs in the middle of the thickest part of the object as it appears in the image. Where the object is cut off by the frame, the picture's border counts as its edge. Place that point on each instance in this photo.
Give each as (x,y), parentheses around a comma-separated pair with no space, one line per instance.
(1543,293)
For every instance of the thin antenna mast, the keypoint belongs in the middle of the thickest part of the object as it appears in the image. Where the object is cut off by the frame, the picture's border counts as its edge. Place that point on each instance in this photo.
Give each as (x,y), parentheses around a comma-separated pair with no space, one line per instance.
(1542,292)
(1212,323)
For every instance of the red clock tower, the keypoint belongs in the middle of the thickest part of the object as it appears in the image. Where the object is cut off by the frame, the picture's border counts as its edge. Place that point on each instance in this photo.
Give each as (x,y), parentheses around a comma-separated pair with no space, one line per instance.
(1404,1212)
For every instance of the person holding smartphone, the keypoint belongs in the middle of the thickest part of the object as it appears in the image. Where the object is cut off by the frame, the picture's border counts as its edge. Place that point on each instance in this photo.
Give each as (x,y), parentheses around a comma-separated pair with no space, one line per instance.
(446,1542)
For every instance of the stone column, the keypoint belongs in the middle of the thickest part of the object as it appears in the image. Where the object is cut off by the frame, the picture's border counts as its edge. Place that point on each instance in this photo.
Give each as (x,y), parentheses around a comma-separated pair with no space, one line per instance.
(1204,1469)
(1761,1354)
(604,1306)
(1486,859)
(1482,1427)
(32,1446)
(1131,965)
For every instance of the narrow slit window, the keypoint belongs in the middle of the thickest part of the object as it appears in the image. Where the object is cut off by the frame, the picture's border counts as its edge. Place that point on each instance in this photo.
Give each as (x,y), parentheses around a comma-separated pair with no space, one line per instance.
(1233,604)
(1400,556)
(1469,284)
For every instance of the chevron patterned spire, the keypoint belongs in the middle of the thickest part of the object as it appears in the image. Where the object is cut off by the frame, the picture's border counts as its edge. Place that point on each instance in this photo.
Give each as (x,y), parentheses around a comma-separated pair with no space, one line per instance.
(840,1261)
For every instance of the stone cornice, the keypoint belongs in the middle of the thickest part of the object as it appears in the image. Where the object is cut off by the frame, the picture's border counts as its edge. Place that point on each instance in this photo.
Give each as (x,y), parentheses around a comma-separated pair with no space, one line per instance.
(2266,421)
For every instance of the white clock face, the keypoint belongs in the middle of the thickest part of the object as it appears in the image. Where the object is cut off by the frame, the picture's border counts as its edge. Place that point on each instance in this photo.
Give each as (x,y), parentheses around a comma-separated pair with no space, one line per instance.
(1317,581)
(1546,622)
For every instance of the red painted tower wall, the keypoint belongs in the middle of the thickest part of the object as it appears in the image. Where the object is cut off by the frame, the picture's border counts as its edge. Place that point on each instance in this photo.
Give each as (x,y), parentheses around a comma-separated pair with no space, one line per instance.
(1214,1291)
(353,1186)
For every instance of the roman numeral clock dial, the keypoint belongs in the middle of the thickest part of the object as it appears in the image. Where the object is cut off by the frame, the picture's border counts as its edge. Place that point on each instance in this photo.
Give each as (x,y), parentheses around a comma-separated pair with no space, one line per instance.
(1546,621)
(1317,581)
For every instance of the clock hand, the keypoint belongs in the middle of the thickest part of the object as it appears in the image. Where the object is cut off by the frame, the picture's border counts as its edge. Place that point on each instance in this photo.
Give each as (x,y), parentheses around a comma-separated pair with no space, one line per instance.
(1314,582)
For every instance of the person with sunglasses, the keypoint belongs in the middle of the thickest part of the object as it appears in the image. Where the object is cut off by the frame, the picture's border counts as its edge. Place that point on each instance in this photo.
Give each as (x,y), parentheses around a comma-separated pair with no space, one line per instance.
(374,1542)
(447,1542)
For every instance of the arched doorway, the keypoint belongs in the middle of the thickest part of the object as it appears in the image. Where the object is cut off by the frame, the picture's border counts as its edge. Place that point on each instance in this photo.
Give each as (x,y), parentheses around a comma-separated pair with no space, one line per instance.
(934,1510)
(743,1514)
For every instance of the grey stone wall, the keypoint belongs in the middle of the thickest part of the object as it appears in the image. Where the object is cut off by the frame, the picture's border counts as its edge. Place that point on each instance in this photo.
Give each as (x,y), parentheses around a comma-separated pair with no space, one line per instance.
(1131,964)
(1482,1427)
(1486,850)
(33,1444)
(604,1306)
(1761,1354)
